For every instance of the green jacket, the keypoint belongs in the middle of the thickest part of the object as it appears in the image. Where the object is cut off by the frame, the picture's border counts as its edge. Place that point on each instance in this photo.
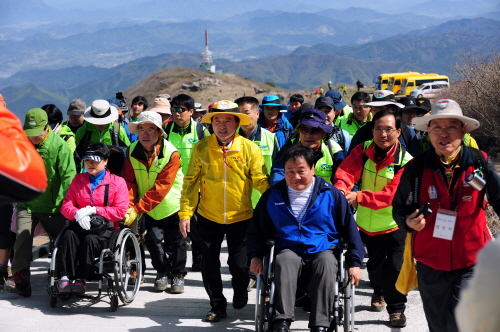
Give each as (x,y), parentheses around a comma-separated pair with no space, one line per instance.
(60,168)
(88,133)
(66,134)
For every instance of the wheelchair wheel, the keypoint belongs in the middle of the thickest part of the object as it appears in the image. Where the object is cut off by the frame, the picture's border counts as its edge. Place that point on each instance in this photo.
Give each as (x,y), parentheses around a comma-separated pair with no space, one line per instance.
(113,302)
(53,301)
(348,319)
(261,306)
(125,244)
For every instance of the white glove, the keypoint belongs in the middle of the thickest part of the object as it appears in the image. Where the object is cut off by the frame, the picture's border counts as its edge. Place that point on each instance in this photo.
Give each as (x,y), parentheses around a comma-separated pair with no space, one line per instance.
(86,211)
(92,210)
(84,222)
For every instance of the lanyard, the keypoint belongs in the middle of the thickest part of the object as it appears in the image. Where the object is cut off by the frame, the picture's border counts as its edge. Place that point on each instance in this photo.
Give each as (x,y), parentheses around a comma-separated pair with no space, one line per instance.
(224,152)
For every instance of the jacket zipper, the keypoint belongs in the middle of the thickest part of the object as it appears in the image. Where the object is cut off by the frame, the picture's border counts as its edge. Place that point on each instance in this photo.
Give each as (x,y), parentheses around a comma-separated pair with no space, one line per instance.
(225,201)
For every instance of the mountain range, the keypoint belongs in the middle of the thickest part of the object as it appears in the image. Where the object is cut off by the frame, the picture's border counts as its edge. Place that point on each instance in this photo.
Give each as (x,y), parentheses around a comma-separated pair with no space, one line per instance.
(292,50)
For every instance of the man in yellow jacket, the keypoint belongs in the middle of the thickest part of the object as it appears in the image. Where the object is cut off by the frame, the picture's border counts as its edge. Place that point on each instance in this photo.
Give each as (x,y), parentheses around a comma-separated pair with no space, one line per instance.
(224,168)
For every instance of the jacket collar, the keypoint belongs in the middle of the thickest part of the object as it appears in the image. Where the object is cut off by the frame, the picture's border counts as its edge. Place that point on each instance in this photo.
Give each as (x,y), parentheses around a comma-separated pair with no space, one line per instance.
(320,185)
(393,158)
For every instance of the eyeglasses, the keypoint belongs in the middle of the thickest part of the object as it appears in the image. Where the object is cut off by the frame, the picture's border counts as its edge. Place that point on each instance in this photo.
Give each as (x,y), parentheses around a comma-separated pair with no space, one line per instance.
(439,129)
(379,131)
(149,131)
(312,131)
(181,109)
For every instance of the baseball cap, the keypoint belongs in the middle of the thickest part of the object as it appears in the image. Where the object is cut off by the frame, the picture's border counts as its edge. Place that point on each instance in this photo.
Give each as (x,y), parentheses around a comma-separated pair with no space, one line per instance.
(35,122)
(76,107)
(324,101)
(338,101)
(410,103)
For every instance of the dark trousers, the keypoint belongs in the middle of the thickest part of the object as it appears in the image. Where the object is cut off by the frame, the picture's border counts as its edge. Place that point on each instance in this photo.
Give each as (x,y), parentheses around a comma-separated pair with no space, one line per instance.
(211,236)
(440,293)
(156,231)
(385,252)
(77,253)
(288,266)
(5,220)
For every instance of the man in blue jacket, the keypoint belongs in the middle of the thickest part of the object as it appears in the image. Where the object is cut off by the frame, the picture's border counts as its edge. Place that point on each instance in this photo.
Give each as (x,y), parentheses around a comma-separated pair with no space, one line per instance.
(272,118)
(306,216)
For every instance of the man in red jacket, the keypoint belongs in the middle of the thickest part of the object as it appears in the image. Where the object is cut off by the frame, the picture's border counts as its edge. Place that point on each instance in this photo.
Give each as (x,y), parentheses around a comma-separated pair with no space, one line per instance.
(453,179)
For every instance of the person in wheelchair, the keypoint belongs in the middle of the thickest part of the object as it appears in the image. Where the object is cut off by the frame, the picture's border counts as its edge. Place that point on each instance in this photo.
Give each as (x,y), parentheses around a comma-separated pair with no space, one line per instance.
(94,195)
(307,217)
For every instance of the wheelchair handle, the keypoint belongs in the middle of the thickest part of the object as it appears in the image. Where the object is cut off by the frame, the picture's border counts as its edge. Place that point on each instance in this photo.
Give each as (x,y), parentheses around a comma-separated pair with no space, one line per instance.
(270,242)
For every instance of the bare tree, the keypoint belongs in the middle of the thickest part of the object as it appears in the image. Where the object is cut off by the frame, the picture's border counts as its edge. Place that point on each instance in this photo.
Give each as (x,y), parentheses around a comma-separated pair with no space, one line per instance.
(477,90)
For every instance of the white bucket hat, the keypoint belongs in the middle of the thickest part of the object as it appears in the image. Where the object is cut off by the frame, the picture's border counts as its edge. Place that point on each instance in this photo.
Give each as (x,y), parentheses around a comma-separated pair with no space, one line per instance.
(100,113)
(446,109)
(147,117)
(383,98)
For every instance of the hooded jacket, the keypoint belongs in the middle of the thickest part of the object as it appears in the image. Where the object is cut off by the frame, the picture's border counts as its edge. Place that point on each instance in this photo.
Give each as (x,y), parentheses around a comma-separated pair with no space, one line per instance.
(60,170)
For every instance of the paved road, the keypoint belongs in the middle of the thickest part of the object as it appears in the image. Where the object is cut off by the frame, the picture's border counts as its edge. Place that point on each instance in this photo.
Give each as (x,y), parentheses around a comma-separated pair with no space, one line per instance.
(153,311)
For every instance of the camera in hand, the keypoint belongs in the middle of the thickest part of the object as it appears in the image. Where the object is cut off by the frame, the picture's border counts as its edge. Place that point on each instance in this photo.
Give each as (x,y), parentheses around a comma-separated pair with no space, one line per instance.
(424,210)
(123,102)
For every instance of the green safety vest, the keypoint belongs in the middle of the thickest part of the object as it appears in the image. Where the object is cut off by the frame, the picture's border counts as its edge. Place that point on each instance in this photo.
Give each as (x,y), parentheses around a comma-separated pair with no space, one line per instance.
(185,143)
(146,179)
(351,124)
(378,220)
(265,140)
(324,166)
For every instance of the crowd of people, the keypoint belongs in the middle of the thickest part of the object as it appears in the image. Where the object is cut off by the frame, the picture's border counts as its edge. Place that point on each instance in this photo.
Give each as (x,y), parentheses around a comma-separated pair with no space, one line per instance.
(307,176)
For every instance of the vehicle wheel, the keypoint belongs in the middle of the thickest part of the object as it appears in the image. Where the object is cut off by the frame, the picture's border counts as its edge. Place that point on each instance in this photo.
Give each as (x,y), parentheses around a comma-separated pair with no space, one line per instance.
(420,96)
(53,301)
(113,303)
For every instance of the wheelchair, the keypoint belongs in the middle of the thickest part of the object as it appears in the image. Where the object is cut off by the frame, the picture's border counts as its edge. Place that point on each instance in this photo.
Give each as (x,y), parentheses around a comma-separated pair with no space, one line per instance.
(342,318)
(112,267)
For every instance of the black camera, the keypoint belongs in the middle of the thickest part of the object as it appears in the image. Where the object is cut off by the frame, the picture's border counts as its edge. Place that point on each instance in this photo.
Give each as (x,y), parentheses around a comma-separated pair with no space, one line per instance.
(123,104)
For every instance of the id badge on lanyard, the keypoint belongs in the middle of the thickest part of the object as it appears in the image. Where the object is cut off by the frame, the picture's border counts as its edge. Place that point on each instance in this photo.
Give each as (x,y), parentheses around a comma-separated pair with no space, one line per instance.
(445,224)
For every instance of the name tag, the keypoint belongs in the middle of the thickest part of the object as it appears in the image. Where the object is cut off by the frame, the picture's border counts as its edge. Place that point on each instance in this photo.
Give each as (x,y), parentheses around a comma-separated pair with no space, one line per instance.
(445,224)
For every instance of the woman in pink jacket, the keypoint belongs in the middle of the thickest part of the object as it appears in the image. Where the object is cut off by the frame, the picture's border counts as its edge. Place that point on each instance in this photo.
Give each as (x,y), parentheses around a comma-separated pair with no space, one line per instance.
(86,197)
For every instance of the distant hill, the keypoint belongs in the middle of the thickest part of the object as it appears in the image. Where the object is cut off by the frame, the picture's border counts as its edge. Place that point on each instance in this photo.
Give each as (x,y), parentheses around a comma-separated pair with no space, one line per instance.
(239,37)
(61,86)
(299,71)
(426,48)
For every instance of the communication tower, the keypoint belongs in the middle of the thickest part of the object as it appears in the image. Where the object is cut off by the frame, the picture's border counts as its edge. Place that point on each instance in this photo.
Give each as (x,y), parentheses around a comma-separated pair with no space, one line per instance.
(206,56)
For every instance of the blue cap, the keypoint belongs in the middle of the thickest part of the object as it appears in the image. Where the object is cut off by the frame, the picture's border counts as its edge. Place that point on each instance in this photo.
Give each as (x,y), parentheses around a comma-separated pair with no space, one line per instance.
(315,118)
(339,103)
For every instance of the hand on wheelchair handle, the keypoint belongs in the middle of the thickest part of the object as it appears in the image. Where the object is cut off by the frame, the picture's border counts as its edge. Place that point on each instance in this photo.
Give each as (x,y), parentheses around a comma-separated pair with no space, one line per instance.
(355,274)
(256,266)
(84,222)
(130,217)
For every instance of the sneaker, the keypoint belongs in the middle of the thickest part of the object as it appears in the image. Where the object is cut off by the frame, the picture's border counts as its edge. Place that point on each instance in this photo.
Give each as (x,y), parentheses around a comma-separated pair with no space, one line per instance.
(4,274)
(398,319)
(251,284)
(240,301)
(79,286)
(196,261)
(177,286)
(215,315)
(64,286)
(161,281)
(133,276)
(378,302)
(19,284)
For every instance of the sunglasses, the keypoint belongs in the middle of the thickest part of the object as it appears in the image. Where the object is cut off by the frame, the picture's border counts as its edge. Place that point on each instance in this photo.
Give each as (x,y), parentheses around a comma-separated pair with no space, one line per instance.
(312,131)
(181,109)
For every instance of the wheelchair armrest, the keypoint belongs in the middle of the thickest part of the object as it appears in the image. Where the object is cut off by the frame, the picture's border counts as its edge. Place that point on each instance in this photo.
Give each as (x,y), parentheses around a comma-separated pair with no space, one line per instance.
(270,242)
